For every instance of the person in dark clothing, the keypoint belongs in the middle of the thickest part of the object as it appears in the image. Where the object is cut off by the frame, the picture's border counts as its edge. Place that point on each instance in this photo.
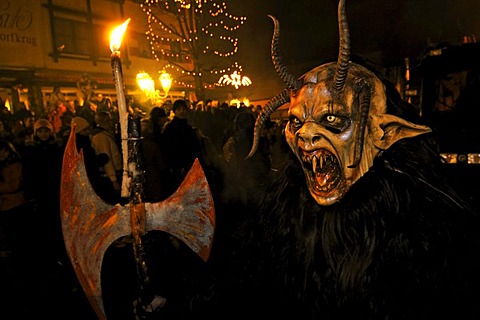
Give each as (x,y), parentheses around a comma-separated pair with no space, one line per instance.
(179,144)
(12,198)
(42,175)
(20,239)
(157,175)
(158,119)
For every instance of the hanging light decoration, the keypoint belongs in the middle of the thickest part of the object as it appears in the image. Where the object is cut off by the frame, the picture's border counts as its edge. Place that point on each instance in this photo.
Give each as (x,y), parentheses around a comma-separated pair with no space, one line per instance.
(234,79)
(203,29)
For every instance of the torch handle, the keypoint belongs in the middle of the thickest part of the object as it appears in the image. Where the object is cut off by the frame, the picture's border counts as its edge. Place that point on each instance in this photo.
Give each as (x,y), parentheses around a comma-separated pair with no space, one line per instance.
(137,207)
(123,118)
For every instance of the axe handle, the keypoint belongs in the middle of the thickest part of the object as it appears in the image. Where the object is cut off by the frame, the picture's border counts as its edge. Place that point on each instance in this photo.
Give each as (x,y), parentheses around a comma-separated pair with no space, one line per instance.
(137,217)
(137,207)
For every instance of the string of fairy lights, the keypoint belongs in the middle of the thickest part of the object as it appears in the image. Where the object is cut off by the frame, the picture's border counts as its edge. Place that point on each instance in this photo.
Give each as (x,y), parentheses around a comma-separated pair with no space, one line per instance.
(177,24)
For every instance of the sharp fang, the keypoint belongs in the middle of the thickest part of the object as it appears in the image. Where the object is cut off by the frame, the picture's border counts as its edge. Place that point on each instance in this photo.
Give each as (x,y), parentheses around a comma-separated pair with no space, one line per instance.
(314,164)
(321,162)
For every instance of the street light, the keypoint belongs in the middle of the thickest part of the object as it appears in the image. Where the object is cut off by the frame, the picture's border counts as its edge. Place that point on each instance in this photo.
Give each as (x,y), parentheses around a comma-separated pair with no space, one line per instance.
(166,82)
(147,85)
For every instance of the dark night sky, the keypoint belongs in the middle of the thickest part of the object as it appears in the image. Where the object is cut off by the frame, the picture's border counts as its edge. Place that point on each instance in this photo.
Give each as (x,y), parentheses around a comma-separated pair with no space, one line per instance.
(386,31)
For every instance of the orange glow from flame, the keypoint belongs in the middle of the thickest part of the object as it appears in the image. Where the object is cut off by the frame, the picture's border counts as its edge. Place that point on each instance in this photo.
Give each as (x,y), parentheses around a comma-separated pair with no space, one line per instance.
(117,35)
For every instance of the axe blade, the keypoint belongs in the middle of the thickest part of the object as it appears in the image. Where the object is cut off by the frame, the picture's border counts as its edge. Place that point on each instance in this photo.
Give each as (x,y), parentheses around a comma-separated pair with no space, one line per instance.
(188,214)
(91,225)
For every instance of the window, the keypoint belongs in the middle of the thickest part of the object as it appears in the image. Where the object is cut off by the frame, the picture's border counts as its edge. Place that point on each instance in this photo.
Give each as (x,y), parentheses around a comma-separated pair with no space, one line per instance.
(72,37)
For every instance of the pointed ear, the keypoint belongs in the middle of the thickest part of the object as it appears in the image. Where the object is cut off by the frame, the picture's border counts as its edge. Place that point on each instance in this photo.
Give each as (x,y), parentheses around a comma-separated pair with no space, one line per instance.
(388,129)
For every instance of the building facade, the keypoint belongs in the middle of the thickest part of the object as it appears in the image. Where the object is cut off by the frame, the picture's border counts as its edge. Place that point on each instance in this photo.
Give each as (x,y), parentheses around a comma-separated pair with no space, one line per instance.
(65,44)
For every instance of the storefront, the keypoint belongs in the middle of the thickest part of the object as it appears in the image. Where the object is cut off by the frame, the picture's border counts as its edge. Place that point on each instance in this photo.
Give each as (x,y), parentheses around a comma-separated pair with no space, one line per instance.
(65,44)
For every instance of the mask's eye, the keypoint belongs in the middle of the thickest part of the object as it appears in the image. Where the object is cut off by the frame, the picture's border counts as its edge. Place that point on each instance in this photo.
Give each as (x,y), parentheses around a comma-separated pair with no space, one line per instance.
(330,118)
(295,123)
(335,123)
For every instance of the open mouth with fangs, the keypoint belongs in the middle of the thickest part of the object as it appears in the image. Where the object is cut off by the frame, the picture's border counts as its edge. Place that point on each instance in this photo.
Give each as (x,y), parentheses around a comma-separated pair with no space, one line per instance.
(322,171)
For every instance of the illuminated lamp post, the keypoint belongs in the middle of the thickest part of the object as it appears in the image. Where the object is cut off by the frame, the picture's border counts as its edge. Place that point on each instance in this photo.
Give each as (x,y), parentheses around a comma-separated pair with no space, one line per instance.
(166,82)
(147,85)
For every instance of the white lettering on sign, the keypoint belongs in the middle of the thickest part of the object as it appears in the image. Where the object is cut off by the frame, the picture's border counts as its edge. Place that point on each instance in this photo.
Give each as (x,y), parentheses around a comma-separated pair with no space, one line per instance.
(15,19)
(14,37)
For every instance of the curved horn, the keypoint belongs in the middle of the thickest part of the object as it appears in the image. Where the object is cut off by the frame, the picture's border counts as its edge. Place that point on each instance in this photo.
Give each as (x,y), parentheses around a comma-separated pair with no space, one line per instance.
(289,79)
(365,97)
(272,105)
(344,51)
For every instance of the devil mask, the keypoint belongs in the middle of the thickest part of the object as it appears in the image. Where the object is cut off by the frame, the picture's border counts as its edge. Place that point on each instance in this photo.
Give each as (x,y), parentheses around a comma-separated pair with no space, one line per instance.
(337,119)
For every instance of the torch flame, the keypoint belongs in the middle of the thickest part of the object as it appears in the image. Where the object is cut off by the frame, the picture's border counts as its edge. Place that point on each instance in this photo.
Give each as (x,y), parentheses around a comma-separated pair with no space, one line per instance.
(117,35)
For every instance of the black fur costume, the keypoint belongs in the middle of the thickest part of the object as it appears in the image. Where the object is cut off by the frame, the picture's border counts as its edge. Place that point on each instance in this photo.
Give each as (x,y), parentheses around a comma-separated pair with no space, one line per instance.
(400,245)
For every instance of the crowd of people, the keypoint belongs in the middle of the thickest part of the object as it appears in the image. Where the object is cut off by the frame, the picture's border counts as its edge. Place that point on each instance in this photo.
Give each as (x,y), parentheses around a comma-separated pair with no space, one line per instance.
(173,136)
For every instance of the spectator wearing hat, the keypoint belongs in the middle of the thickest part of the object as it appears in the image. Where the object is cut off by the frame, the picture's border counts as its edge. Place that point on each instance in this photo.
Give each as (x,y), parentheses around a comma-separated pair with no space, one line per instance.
(81,126)
(42,176)
(43,131)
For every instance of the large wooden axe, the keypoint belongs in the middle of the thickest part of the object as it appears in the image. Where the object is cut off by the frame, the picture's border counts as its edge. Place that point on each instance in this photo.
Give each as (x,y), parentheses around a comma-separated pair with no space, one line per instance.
(91,225)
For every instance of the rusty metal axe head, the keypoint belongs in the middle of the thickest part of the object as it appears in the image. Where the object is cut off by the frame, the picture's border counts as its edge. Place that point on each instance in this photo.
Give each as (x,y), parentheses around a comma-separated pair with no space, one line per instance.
(91,225)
